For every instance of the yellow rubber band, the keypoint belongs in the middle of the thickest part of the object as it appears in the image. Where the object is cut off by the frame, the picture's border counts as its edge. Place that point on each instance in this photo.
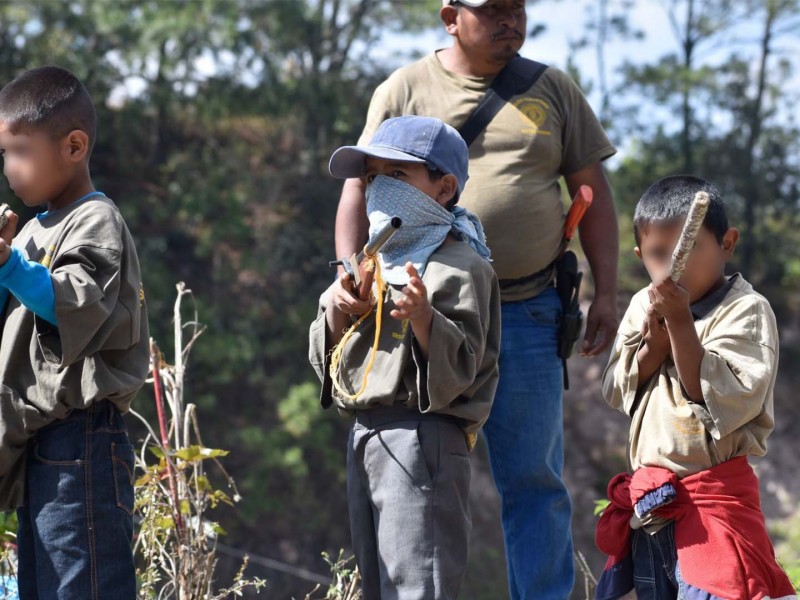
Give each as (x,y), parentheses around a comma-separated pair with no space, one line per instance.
(338,351)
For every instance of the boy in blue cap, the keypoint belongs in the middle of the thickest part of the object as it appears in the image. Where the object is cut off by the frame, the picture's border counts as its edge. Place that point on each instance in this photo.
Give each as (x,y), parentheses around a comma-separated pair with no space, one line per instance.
(420,384)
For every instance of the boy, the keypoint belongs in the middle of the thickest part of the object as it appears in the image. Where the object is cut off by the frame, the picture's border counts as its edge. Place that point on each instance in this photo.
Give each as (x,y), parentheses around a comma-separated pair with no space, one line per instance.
(73,351)
(694,366)
(422,393)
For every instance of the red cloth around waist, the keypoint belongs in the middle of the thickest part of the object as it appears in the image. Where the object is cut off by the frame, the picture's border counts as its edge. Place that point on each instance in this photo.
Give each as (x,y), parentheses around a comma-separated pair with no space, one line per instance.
(722,541)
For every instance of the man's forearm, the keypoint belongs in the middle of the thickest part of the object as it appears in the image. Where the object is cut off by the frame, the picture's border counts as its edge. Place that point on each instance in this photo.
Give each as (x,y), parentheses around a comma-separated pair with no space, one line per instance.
(599,232)
(352,226)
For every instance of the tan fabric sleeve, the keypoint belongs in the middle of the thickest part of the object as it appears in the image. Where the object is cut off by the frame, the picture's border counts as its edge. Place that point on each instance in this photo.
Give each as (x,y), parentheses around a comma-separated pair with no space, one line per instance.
(621,375)
(738,368)
(318,354)
(584,141)
(387,101)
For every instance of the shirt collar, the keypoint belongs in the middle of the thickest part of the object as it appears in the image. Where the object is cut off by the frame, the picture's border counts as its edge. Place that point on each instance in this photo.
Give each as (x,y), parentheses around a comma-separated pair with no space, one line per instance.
(706,304)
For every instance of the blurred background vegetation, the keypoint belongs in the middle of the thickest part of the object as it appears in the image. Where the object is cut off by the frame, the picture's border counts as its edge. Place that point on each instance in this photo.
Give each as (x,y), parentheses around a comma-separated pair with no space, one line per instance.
(216,120)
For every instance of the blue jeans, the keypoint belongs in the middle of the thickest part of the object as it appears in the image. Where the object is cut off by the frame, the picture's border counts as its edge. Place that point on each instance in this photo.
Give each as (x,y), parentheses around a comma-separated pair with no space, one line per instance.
(76,527)
(525,436)
(656,575)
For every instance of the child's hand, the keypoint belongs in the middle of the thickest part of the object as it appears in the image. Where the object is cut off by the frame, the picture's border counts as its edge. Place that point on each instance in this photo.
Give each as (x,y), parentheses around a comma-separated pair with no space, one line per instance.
(655,334)
(5,252)
(669,300)
(414,304)
(8,232)
(343,297)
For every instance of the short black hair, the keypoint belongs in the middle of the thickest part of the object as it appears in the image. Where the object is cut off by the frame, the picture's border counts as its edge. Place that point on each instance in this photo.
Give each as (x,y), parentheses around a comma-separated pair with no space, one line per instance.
(670,198)
(434,174)
(49,99)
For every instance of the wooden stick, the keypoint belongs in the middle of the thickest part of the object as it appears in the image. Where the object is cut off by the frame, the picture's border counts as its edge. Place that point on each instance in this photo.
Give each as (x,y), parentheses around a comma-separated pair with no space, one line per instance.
(694,220)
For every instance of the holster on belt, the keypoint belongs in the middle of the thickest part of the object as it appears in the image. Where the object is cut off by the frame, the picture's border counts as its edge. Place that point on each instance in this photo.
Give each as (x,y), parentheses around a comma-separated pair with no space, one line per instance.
(568,285)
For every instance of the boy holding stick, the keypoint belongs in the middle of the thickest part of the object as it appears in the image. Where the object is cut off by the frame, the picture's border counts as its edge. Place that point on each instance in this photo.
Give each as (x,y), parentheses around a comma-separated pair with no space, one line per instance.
(694,366)
(73,350)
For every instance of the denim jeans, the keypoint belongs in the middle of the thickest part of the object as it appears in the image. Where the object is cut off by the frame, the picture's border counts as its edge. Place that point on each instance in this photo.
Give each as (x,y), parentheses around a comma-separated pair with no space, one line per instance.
(76,527)
(525,436)
(655,565)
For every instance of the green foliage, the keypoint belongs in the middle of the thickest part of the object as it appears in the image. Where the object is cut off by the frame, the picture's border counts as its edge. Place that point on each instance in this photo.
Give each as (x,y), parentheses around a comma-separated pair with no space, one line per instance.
(176,541)
(600,506)
(8,538)
(346,579)
(216,119)
(786,534)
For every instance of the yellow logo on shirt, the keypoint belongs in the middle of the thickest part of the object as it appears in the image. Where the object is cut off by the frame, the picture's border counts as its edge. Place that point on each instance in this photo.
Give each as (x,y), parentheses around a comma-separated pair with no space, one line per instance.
(402,334)
(48,256)
(533,112)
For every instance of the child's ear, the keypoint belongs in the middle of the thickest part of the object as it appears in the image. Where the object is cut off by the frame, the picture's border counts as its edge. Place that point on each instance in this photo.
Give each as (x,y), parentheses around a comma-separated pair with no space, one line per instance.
(637,252)
(729,241)
(76,145)
(448,186)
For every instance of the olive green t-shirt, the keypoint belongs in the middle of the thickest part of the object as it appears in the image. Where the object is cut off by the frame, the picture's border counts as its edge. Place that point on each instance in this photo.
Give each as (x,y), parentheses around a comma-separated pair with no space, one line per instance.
(460,376)
(100,348)
(515,163)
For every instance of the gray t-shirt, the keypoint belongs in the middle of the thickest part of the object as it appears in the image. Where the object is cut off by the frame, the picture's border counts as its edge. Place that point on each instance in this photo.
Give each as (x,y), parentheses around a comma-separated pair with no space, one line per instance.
(99,349)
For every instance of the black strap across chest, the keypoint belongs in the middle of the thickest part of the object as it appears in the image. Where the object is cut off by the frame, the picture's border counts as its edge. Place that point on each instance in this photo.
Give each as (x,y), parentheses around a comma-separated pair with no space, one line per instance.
(517,76)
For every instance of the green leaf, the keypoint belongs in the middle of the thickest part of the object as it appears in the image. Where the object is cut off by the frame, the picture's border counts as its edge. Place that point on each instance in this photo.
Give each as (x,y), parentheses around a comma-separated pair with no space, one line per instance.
(197,453)
(600,506)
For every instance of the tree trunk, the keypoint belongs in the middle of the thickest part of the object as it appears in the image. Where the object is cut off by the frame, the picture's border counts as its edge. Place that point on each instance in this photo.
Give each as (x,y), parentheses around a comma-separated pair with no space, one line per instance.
(755,121)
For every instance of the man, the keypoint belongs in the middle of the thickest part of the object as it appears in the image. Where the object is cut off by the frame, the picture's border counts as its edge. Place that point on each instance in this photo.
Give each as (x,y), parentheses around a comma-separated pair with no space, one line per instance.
(540,135)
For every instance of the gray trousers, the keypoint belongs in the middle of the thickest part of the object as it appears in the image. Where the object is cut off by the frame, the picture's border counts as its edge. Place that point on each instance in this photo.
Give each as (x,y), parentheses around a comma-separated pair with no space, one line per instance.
(408,495)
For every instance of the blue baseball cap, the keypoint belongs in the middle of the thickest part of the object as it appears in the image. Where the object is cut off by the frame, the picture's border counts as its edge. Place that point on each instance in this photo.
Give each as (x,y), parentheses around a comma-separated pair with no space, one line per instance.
(472,3)
(408,139)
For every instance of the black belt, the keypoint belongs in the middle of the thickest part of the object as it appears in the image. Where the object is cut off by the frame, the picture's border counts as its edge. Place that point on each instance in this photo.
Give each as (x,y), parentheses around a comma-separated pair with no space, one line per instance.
(544,276)
(383,415)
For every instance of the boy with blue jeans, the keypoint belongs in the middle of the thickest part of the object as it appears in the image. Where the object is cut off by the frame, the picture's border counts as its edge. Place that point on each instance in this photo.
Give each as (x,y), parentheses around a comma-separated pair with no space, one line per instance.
(694,366)
(73,353)
(418,369)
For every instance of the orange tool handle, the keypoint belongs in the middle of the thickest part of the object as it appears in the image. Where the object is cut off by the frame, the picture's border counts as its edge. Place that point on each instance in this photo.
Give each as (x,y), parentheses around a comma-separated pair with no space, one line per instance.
(581,201)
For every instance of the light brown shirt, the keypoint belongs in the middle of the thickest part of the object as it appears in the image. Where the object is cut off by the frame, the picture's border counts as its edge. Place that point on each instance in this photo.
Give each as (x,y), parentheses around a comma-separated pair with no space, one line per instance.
(460,376)
(737,374)
(515,164)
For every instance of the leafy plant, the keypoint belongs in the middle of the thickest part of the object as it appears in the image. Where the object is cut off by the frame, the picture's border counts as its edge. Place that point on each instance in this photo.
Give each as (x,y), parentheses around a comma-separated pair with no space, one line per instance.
(8,555)
(176,540)
(346,584)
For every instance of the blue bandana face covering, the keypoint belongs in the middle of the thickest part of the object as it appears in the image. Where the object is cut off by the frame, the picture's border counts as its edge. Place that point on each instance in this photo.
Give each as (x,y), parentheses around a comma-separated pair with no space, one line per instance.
(425,226)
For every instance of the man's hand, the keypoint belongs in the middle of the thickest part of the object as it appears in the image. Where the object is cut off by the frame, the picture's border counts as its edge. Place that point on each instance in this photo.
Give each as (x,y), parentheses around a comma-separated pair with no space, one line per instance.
(601,326)
(669,299)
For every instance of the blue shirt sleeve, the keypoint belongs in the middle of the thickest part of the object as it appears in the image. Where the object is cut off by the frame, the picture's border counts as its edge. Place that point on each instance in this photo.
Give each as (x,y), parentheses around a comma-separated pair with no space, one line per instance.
(30,282)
